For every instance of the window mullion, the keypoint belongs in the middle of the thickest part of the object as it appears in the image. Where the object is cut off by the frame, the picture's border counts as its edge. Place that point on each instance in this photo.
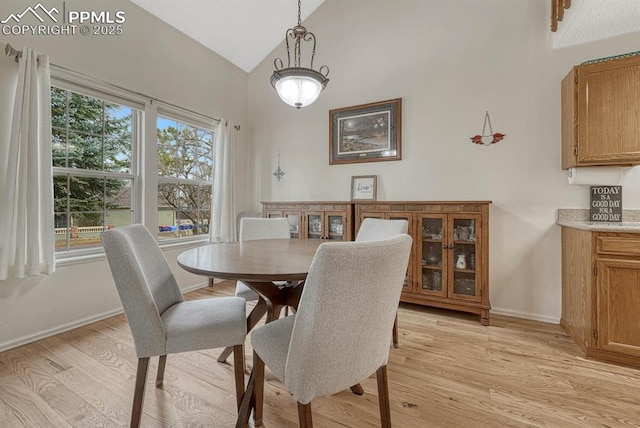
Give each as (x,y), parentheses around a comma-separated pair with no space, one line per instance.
(149,164)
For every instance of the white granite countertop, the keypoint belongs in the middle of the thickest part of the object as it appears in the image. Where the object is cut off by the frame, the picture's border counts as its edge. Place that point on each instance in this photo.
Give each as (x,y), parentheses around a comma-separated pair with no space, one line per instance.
(579,219)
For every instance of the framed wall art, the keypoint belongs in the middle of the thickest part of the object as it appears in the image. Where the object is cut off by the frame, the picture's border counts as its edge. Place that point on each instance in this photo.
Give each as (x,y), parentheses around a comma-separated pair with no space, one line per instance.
(366,133)
(363,188)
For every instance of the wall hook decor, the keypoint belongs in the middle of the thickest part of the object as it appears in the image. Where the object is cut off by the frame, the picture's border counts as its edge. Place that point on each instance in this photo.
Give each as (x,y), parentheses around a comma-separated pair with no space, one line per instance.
(487,138)
(279,173)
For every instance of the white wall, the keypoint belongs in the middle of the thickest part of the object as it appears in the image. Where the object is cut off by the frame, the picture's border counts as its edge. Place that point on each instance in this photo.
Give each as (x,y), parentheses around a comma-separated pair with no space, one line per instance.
(450,62)
(150,58)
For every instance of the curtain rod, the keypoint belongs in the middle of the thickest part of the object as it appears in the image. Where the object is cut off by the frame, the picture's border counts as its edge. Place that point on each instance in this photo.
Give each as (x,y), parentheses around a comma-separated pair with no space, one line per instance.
(11,51)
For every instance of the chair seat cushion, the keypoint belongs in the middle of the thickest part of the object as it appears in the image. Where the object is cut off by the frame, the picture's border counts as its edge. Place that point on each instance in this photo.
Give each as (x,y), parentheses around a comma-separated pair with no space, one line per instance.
(271,343)
(204,324)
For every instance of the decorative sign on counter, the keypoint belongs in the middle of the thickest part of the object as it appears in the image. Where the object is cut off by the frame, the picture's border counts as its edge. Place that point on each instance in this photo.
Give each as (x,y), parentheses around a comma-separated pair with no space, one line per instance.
(606,203)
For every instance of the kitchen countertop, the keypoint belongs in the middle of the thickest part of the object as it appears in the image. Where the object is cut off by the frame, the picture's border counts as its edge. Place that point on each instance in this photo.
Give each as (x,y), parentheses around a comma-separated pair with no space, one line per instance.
(579,219)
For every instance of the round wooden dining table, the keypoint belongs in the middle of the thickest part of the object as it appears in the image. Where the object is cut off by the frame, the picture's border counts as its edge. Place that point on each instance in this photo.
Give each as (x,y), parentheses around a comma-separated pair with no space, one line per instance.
(258,264)
(263,260)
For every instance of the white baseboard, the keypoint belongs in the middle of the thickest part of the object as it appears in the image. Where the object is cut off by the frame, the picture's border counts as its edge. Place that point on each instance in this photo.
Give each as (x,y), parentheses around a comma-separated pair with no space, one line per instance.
(525,315)
(5,346)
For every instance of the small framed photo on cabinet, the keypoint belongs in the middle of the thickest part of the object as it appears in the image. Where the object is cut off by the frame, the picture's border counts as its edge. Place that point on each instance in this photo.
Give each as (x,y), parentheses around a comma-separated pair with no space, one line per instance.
(363,188)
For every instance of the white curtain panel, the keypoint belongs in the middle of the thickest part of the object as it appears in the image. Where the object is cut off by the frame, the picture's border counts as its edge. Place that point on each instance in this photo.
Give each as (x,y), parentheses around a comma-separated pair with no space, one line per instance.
(27,245)
(223,210)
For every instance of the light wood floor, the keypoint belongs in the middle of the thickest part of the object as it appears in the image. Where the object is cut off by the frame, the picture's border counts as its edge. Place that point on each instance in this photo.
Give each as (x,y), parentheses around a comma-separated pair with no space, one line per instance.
(448,372)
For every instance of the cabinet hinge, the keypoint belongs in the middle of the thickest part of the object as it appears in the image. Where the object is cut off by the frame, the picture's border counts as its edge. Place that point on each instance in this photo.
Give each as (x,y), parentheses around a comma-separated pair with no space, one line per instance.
(575,77)
(595,334)
(575,150)
(595,270)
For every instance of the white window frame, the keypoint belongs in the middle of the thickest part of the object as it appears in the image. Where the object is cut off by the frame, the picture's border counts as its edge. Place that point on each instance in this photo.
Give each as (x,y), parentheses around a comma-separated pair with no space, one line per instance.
(143,153)
(190,118)
(67,81)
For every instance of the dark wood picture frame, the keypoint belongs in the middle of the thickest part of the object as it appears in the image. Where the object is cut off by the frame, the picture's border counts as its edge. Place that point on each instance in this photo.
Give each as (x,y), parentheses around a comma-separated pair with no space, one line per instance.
(366,133)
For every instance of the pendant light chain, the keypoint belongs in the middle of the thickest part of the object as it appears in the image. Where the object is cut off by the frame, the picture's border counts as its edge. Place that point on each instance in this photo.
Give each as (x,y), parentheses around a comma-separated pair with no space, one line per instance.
(297,61)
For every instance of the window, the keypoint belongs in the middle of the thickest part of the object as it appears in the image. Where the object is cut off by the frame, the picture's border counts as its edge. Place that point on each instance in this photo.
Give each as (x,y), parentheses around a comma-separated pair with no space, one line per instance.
(185,164)
(121,158)
(93,152)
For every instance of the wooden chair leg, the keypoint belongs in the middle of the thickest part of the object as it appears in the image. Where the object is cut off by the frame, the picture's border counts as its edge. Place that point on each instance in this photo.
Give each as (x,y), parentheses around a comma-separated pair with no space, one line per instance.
(395,332)
(225,354)
(238,369)
(245,408)
(304,415)
(383,397)
(258,390)
(357,389)
(138,394)
(162,362)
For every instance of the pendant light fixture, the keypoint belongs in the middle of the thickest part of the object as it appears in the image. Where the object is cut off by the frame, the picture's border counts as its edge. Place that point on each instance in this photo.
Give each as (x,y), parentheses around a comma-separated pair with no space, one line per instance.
(296,85)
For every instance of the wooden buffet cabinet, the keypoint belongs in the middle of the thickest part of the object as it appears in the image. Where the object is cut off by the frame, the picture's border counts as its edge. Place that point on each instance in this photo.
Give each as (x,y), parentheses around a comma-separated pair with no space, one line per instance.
(601,112)
(601,293)
(314,220)
(449,264)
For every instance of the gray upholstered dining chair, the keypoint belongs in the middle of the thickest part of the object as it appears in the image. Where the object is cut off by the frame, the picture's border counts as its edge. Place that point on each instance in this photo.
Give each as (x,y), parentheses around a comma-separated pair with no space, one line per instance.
(348,302)
(374,229)
(252,228)
(259,228)
(160,320)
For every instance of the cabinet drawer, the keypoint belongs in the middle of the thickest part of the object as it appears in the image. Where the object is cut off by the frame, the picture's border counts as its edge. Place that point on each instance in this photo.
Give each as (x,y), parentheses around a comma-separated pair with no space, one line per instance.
(622,245)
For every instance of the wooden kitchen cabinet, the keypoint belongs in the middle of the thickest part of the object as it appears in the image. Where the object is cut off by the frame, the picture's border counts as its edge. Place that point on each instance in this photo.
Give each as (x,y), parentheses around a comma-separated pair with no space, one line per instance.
(601,113)
(314,220)
(601,293)
(449,264)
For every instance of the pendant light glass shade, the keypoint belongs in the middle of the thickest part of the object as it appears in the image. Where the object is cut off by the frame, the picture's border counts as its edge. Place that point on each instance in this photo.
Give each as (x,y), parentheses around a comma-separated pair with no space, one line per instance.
(296,85)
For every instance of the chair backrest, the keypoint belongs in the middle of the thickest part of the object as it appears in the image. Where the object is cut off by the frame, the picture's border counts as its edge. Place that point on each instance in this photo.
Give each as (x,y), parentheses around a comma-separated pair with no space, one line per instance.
(347,308)
(264,228)
(144,282)
(374,229)
(242,215)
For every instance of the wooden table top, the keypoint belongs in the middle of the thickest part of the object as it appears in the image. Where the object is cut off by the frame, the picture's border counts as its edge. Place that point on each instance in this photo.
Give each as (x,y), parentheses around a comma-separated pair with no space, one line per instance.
(262,260)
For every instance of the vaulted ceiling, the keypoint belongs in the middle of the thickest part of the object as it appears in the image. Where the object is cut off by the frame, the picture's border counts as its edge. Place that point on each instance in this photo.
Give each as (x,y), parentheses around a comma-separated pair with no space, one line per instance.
(242,31)
(246,31)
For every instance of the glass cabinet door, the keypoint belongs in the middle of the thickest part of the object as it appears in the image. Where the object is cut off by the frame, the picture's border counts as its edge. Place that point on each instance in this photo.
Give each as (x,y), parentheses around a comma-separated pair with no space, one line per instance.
(315,225)
(433,256)
(294,224)
(336,227)
(465,279)
(407,286)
